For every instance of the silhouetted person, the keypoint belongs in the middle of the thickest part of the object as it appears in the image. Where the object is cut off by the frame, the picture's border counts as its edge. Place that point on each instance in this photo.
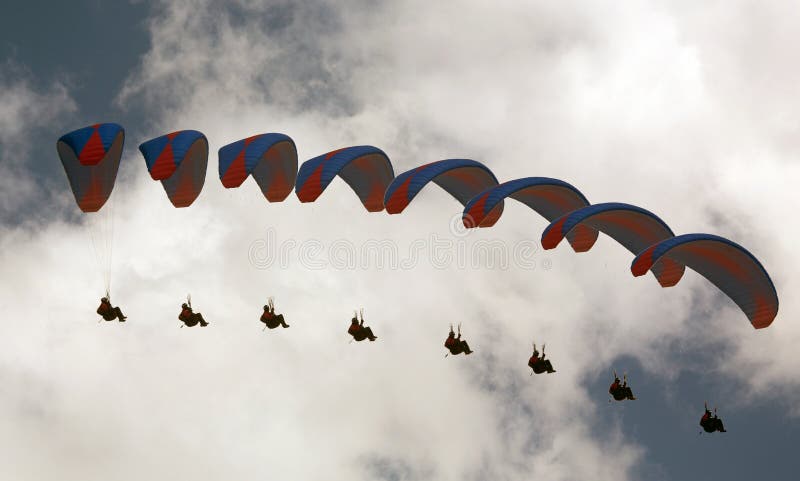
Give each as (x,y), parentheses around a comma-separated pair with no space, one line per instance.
(619,391)
(711,423)
(271,319)
(359,331)
(190,318)
(540,364)
(110,313)
(455,345)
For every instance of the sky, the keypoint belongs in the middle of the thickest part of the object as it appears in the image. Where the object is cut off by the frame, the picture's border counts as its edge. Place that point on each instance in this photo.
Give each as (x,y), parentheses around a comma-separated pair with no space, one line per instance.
(686,109)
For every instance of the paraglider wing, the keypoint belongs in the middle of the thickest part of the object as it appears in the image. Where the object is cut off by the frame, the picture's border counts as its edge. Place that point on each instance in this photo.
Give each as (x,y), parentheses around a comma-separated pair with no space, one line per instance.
(179,160)
(462,178)
(727,265)
(633,227)
(270,158)
(366,169)
(551,198)
(91,158)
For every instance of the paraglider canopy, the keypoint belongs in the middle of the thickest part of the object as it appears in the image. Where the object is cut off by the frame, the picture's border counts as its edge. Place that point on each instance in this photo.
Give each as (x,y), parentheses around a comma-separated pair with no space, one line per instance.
(179,160)
(633,227)
(91,156)
(270,158)
(461,178)
(366,169)
(729,266)
(551,198)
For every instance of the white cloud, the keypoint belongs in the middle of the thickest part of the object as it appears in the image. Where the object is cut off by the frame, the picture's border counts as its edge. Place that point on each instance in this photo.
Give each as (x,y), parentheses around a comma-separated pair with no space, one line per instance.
(629,103)
(24,107)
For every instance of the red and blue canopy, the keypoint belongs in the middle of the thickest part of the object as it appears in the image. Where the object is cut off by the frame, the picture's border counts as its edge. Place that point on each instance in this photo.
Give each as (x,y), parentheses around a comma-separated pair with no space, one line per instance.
(179,160)
(729,266)
(270,158)
(633,227)
(91,158)
(366,169)
(462,178)
(551,198)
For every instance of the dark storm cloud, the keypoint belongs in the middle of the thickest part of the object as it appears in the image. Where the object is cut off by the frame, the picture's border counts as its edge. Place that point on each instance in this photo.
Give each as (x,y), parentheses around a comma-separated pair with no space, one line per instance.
(396,468)
(27,115)
(70,60)
(89,46)
(282,50)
